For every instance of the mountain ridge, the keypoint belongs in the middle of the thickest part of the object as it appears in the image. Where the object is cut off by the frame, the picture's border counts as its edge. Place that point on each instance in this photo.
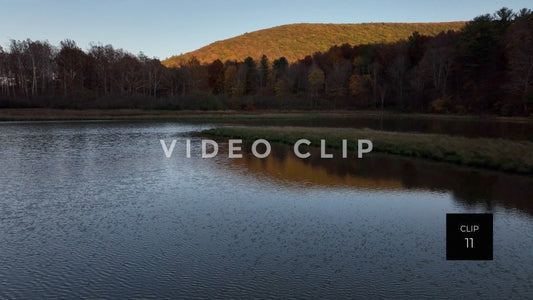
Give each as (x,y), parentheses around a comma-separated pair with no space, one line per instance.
(295,41)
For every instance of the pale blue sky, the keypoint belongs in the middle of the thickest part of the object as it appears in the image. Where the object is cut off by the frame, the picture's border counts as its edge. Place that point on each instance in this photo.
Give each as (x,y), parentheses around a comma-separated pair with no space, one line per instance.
(163,28)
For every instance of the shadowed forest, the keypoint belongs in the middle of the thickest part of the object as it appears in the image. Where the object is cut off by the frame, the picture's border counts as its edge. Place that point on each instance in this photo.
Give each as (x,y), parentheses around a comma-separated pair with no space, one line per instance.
(486,67)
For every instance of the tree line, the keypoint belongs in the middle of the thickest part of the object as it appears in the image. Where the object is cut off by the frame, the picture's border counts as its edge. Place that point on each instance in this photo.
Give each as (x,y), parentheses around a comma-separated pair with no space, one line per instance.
(487,67)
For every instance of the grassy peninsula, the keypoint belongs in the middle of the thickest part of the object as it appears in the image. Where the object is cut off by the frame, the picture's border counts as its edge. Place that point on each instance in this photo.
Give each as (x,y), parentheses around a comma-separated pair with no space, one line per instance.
(497,154)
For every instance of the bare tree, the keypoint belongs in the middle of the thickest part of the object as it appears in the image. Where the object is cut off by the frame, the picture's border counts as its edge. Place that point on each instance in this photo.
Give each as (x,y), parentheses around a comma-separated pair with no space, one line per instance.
(71,61)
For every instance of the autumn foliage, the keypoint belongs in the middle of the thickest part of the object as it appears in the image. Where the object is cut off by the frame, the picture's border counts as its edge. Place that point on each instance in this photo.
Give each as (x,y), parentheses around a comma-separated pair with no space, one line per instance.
(296,41)
(486,67)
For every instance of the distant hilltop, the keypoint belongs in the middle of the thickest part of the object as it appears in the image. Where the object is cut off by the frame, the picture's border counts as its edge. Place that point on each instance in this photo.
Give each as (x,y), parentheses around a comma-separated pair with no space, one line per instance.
(295,41)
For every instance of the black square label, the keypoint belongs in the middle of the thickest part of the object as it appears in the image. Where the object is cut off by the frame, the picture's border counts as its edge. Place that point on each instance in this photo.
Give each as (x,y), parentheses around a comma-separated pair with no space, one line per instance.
(469,236)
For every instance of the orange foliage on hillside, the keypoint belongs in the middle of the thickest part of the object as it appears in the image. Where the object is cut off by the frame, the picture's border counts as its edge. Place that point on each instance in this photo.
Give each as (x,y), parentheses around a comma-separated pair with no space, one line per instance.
(295,41)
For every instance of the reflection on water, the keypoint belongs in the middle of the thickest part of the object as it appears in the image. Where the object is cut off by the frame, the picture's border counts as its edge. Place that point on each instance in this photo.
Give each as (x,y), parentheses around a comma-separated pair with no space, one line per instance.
(385,172)
(95,210)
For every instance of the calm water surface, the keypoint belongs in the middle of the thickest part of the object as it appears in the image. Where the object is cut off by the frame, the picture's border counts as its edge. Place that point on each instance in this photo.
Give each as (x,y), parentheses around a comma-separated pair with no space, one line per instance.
(95,210)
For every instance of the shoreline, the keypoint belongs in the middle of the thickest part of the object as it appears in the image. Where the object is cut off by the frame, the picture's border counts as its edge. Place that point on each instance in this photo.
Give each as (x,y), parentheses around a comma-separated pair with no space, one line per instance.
(488,153)
(45,114)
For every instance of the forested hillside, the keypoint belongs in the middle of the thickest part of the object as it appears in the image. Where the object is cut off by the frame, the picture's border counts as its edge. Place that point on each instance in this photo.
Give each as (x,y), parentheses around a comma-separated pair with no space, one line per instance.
(295,41)
(487,67)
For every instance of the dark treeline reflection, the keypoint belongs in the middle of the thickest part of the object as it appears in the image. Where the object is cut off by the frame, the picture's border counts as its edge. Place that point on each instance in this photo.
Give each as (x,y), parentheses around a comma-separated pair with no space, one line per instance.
(387,172)
(484,68)
(390,122)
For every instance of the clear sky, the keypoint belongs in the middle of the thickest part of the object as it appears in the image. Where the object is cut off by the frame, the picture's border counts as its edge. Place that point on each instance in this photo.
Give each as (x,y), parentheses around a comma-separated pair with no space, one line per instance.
(163,28)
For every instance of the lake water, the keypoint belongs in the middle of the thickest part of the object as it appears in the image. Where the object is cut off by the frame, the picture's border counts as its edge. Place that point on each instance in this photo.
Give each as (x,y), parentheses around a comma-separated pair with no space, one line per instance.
(96,210)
